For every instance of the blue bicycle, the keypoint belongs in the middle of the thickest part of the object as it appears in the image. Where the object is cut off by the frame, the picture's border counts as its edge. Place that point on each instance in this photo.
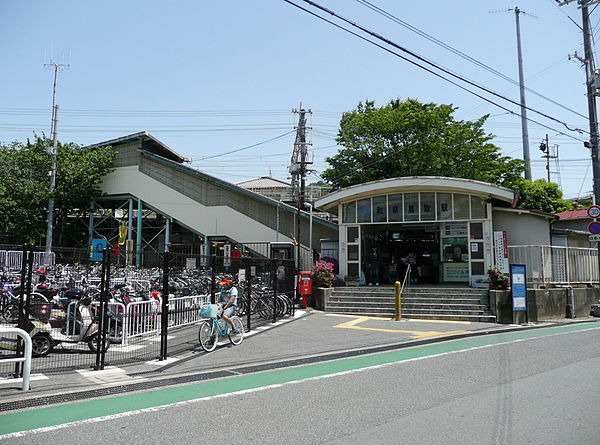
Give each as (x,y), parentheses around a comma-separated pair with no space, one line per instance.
(212,328)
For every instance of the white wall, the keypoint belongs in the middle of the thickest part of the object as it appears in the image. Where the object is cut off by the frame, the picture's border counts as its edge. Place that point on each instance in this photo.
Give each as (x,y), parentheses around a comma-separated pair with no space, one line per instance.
(522,228)
(210,221)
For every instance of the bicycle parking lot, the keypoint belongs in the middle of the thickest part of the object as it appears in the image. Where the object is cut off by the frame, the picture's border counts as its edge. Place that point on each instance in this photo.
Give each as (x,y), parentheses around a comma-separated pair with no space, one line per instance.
(139,314)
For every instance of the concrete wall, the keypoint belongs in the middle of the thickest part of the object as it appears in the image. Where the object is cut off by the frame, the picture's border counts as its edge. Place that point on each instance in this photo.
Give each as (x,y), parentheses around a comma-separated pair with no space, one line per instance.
(545,304)
(522,228)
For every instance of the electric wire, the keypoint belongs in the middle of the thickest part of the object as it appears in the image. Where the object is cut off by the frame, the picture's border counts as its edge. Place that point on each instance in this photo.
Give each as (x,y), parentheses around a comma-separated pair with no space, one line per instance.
(422,59)
(435,73)
(459,53)
(244,148)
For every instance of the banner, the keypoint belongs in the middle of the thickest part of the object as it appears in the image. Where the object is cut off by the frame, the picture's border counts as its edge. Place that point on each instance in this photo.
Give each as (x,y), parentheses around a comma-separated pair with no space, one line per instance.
(501,251)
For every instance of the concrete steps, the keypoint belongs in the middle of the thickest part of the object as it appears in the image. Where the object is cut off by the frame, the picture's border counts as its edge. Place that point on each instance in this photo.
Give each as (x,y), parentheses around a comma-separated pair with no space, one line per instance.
(437,303)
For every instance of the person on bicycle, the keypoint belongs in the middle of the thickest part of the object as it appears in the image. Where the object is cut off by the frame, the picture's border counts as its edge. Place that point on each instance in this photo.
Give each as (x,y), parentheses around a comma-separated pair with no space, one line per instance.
(227,300)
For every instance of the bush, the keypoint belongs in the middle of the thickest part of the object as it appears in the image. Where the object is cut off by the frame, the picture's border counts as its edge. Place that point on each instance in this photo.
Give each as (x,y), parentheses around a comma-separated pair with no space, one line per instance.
(322,274)
(498,280)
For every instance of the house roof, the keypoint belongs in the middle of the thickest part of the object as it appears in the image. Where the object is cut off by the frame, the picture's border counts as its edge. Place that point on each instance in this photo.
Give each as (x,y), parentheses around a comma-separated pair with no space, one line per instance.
(263,182)
(149,143)
(573,214)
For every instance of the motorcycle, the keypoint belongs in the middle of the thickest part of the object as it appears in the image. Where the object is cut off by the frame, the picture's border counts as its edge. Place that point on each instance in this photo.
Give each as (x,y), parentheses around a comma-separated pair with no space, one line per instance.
(80,327)
(38,328)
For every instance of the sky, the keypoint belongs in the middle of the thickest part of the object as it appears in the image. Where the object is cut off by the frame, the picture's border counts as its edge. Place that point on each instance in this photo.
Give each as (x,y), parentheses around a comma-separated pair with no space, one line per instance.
(210,77)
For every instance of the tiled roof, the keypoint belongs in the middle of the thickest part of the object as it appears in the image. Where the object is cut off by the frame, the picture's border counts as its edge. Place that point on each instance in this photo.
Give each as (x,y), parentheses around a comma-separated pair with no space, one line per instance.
(573,214)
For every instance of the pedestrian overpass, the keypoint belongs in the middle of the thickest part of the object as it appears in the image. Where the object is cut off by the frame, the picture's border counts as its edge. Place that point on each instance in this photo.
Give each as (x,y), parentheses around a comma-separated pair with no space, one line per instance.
(149,176)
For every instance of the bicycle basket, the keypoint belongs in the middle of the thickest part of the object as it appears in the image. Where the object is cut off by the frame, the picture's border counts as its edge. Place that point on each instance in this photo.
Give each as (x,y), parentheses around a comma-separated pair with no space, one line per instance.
(208,310)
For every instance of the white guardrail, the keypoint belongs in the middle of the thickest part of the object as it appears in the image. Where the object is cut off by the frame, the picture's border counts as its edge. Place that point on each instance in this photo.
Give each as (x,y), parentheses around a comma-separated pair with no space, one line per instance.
(26,357)
(139,318)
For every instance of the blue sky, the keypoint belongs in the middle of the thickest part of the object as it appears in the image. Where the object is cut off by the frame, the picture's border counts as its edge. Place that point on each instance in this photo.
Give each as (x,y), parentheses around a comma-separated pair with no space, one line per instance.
(211,77)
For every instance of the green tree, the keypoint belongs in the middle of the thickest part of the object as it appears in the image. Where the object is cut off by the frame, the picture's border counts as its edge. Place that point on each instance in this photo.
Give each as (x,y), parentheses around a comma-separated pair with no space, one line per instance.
(25,184)
(541,195)
(410,138)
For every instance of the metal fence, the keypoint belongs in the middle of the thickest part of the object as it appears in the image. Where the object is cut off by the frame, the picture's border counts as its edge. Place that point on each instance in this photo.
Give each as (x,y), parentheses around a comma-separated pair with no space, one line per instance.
(140,314)
(556,264)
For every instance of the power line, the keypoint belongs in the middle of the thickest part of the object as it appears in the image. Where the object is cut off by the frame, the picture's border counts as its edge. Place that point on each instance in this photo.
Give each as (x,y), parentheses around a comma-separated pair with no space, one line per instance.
(245,148)
(429,70)
(460,53)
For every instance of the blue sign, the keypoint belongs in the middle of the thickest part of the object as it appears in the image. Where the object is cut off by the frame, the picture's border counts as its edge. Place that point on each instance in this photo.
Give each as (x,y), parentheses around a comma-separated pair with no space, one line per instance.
(519,286)
(594,227)
(98,245)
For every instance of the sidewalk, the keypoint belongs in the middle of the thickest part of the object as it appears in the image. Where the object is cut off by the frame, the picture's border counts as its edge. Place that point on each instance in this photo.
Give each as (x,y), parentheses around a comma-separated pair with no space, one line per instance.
(291,342)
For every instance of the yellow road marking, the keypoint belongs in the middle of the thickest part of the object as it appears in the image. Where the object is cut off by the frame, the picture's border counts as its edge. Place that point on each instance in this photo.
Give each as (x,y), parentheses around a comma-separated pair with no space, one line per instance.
(402,321)
(351,324)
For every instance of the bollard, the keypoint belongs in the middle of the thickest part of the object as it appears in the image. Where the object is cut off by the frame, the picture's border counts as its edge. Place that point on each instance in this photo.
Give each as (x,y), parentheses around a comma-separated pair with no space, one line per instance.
(398,296)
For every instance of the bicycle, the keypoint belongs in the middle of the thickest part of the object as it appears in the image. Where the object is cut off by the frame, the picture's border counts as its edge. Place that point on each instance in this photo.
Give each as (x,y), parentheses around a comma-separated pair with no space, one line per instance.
(212,328)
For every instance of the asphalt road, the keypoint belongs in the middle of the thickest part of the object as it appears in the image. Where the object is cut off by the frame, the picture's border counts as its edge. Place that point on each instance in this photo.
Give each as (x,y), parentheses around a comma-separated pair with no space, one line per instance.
(537,386)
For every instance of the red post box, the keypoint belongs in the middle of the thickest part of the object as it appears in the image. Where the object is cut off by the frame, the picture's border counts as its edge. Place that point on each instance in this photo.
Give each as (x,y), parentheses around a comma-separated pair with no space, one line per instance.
(305,286)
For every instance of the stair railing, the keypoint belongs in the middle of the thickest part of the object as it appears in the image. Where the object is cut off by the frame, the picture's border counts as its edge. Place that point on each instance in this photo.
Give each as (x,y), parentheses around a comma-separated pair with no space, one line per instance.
(406,275)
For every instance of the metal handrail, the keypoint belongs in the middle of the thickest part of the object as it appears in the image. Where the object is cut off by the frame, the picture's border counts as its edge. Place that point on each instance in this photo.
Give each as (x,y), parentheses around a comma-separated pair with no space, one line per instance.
(27,356)
(406,275)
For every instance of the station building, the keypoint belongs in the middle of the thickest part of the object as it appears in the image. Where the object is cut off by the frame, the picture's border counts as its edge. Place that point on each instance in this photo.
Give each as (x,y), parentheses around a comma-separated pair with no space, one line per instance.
(452,230)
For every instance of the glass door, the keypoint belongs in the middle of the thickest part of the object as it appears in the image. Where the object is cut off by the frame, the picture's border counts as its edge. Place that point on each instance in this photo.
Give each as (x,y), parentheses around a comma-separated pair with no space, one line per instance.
(353,256)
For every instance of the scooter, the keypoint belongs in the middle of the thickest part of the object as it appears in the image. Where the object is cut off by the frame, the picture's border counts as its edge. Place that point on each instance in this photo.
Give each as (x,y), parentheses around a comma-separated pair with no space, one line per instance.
(80,327)
(38,329)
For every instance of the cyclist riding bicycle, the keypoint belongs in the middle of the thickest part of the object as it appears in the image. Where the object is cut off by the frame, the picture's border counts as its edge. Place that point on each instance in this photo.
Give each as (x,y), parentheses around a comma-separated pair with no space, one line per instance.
(227,300)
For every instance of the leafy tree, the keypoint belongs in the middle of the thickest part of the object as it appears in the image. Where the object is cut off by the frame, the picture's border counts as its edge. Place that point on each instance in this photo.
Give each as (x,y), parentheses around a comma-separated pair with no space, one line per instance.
(541,195)
(410,138)
(25,184)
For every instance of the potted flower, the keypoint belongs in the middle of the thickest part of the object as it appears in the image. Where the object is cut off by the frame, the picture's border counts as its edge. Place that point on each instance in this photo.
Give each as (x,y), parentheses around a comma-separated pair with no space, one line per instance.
(498,280)
(322,282)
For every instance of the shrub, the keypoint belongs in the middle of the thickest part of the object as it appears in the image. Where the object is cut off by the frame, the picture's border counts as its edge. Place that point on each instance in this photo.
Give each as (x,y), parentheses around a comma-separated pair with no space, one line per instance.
(322,274)
(498,280)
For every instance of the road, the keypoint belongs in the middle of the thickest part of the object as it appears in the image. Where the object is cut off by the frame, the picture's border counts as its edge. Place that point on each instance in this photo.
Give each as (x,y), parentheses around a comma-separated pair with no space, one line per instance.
(536,386)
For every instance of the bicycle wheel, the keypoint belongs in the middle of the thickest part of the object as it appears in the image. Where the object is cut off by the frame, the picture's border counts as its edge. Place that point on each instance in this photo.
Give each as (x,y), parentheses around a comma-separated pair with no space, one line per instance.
(242,306)
(11,313)
(236,334)
(207,336)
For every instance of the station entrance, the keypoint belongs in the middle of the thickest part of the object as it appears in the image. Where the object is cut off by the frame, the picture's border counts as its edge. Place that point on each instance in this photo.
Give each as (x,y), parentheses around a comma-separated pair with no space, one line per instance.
(436,252)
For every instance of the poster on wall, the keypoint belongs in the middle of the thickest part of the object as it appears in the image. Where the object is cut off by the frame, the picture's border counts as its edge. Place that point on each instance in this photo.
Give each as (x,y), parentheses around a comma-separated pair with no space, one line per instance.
(455,229)
(501,251)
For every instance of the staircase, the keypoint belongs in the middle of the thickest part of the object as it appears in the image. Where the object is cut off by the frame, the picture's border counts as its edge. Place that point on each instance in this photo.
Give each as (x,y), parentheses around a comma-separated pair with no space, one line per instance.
(437,303)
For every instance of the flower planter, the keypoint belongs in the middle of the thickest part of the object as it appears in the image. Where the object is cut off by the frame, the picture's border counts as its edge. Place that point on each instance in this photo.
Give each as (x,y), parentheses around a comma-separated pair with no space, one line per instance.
(321,296)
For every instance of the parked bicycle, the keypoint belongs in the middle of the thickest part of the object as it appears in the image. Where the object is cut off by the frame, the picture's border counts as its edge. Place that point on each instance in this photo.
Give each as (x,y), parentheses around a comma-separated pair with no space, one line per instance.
(212,328)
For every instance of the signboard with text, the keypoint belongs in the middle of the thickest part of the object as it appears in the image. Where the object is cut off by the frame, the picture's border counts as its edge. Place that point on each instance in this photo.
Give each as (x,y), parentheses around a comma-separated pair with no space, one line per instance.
(518,287)
(501,251)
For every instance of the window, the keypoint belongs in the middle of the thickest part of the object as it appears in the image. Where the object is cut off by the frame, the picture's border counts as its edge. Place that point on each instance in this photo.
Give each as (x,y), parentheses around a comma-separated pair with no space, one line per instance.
(349,212)
(395,207)
(478,207)
(461,206)
(353,252)
(352,235)
(363,210)
(379,209)
(427,206)
(476,230)
(444,206)
(411,207)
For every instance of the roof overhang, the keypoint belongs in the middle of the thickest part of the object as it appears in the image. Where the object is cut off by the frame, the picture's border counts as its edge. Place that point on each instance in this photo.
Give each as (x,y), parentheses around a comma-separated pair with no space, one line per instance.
(151,144)
(414,183)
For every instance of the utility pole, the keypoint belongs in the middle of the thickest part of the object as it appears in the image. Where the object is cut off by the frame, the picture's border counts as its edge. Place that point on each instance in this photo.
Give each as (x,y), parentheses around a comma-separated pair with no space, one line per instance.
(524,130)
(548,154)
(298,171)
(53,151)
(590,78)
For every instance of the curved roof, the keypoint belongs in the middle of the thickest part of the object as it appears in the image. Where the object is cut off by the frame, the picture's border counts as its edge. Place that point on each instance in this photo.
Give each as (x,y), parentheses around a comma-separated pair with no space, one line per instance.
(414,183)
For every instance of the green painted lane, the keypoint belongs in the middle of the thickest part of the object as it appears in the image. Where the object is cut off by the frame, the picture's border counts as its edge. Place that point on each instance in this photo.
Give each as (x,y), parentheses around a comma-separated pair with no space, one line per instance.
(90,409)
